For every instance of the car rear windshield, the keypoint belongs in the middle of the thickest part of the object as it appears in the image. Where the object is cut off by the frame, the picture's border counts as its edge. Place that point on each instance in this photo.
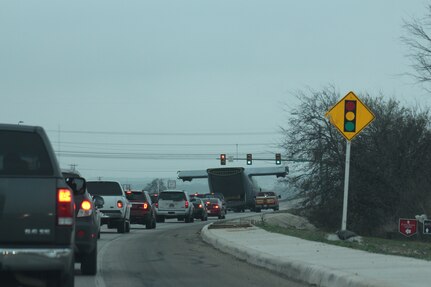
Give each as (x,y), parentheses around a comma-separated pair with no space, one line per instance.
(104,188)
(23,153)
(175,196)
(136,195)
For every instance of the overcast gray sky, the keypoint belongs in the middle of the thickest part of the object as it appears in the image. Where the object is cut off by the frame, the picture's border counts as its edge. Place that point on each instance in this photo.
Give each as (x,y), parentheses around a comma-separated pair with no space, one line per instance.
(145,88)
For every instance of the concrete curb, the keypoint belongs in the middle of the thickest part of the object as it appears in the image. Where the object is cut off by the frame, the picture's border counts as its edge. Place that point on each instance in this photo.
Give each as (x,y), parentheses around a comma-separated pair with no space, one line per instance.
(297,270)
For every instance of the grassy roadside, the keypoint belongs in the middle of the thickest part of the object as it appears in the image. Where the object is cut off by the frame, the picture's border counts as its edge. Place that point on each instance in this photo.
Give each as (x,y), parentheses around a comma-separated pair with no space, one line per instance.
(415,249)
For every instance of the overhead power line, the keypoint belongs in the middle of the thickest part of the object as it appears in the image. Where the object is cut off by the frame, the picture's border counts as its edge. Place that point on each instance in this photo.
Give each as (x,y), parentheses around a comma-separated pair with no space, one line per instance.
(130,155)
(161,144)
(163,133)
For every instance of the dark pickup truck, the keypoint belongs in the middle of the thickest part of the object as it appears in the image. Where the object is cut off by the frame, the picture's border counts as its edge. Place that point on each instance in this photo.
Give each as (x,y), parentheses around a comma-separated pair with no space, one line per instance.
(37,218)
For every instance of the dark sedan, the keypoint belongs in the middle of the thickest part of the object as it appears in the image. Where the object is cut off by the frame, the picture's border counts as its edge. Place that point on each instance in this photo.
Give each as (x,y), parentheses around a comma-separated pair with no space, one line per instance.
(199,211)
(143,210)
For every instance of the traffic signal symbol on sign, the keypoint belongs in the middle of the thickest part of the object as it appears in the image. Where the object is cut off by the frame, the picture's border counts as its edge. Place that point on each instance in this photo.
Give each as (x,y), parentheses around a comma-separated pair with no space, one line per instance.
(349,116)
(278,158)
(249,159)
(223,159)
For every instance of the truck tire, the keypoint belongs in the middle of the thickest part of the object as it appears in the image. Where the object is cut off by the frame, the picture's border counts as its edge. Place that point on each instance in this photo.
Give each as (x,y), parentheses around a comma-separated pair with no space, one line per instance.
(153,224)
(127,226)
(121,227)
(62,278)
(89,262)
(187,220)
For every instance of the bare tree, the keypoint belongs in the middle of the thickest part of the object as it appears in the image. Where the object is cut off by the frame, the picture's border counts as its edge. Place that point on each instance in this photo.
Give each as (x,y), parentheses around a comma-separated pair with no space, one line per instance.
(419,41)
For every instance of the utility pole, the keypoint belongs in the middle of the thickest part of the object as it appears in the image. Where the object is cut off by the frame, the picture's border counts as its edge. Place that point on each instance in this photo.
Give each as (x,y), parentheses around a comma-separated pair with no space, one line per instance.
(73,166)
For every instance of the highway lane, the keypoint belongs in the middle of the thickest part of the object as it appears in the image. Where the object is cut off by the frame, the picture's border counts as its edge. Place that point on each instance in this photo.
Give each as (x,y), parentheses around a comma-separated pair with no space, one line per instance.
(171,255)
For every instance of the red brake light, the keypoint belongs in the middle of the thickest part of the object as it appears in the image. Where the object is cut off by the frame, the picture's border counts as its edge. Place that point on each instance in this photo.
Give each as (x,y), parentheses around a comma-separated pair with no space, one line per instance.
(64,195)
(119,204)
(186,205)
(157,204)
(86,205)
(216,206)
(200,205)
(145,205)
(65,207)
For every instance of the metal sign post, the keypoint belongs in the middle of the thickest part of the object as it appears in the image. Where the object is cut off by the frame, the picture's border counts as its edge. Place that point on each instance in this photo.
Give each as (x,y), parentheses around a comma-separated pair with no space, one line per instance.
(346,185)
(350,116)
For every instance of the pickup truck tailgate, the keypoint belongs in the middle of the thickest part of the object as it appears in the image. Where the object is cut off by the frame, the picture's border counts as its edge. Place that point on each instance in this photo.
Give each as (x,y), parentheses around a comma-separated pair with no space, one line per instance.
(27,210)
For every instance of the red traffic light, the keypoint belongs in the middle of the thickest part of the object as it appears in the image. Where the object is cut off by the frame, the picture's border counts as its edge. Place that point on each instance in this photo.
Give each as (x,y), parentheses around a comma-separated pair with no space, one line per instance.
(223,159)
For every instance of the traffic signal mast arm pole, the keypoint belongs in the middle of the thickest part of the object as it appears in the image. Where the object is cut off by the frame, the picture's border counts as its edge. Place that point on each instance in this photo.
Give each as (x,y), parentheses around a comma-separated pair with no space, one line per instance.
(346,186)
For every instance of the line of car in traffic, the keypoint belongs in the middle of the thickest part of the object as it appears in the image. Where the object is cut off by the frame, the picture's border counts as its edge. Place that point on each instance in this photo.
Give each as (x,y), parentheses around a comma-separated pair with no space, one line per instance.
(51,218)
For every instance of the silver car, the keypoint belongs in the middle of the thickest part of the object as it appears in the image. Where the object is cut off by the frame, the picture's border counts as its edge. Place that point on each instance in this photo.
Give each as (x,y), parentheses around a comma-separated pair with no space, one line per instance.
(175,204)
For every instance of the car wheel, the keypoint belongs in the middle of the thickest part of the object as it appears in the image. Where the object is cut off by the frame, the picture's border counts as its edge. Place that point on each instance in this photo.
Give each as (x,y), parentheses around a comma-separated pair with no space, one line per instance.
(187,220)
(149,224)
(89,262)
(121,227)
(154,223)
(98,235)
(192,219)
(127,226)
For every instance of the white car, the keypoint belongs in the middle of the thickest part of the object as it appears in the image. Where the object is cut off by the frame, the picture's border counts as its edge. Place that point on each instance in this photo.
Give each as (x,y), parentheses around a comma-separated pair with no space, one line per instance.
(116,209)
(175,204)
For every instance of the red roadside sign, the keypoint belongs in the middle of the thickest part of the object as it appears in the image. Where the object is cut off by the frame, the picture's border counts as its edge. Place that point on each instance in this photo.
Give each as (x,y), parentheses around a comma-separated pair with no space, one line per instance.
(408,227)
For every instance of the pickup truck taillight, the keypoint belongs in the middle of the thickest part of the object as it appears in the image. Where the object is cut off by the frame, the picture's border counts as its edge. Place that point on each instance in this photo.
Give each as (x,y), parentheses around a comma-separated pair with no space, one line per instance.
(65,207)
(119,204)
(186,204)
(145,206)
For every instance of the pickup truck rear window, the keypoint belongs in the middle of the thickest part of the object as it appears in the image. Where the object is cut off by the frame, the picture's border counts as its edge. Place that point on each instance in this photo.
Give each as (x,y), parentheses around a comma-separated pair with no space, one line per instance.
(175,196)
(104,188)
(23,154)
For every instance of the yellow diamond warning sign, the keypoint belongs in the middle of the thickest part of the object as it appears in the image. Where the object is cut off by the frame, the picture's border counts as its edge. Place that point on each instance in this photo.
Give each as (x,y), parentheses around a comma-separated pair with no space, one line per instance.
(350,116)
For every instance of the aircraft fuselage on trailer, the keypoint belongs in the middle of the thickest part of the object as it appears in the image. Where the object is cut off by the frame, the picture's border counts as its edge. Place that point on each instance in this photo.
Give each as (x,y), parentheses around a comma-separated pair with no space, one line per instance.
(235,183)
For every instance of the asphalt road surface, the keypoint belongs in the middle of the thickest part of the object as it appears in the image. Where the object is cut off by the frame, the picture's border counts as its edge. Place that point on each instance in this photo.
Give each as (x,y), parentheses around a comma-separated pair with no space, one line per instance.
(171,255)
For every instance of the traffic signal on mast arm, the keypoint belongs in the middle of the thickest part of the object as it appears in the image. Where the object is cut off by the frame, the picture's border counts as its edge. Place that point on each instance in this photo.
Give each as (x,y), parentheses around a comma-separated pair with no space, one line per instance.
(223,159)
(350,116)
(249,159)
(278,158)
